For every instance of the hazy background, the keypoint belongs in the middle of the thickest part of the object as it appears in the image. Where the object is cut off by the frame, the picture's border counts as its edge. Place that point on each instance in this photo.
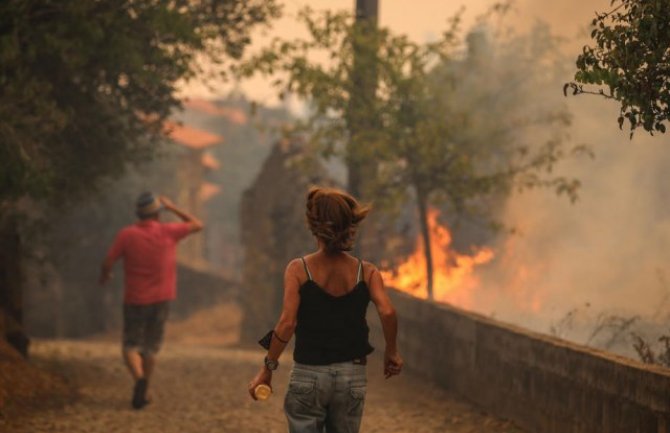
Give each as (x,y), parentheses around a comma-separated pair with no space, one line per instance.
(568,269)
(422,21)
(607,253)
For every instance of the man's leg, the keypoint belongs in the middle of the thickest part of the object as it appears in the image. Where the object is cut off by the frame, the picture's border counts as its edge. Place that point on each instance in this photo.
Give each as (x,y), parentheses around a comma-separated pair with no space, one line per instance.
(154,338)
(134,324)
(135,363)
(133,335)
(148,363)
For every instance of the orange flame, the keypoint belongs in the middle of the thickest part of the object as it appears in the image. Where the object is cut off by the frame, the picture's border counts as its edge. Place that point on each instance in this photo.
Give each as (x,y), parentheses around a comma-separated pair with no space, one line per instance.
(454,278)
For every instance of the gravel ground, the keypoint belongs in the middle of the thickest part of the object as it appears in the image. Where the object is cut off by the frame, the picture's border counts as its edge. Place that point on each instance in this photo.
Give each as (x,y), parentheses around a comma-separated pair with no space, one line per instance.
(203,389)
(200,387)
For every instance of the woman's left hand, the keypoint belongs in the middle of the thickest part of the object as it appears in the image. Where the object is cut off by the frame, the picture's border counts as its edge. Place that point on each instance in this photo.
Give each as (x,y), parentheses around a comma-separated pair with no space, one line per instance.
(263,376)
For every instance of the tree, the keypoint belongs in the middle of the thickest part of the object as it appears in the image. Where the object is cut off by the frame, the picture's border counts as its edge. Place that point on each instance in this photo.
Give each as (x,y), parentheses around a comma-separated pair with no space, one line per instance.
(459,125)
(435,133)
(631,60)
(86,86)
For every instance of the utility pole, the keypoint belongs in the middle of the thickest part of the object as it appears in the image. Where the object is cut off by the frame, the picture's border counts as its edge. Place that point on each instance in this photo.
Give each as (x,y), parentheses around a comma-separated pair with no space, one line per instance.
(367,9)
(361,100)
(364,87)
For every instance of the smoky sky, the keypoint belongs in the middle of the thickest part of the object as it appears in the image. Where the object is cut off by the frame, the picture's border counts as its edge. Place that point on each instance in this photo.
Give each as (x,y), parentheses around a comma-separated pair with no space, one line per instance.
(420,21)
(611,248)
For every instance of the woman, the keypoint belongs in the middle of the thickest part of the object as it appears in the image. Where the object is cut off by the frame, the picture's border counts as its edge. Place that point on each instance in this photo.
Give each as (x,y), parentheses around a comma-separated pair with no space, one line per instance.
(326,295)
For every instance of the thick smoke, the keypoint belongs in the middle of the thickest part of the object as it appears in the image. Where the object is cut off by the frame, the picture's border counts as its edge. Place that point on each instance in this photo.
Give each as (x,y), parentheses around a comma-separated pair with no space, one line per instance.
(573,267)
(605,254)
(610,249)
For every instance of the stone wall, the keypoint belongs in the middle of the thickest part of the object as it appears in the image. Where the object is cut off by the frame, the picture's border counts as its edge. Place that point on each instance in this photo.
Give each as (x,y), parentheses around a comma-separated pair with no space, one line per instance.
(81,307)
(544,384)
(273,232)
(199,288)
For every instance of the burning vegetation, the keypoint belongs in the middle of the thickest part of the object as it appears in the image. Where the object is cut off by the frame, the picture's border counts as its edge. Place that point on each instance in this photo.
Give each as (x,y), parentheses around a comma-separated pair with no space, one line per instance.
(454,274)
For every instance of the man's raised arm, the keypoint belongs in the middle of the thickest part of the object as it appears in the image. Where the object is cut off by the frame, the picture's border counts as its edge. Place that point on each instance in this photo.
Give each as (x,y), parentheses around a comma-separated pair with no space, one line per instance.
(195,224)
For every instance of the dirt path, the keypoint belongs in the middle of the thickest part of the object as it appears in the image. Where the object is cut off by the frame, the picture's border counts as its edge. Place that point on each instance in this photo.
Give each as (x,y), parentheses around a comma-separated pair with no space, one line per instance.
(202,388)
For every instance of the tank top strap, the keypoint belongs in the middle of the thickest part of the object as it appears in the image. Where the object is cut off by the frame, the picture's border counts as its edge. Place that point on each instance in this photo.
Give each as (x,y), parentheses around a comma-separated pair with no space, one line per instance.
(359,275)
(309,274)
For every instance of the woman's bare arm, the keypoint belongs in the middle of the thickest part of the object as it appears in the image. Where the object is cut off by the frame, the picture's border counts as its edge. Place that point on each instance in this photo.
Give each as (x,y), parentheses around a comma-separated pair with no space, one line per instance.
(285,328)
(392,361)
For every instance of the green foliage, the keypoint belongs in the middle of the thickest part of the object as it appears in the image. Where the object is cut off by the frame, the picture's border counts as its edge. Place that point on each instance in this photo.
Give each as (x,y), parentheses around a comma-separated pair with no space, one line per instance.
(86,85)
(441,127)
(448,128)
(630,60)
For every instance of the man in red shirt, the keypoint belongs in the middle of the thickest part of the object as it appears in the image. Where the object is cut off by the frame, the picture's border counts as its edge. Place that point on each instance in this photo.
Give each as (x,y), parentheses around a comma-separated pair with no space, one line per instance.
(148,249)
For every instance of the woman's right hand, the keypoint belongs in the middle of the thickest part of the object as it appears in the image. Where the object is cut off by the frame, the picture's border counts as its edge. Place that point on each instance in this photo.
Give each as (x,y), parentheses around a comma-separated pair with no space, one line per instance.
(264,376)
(392,364)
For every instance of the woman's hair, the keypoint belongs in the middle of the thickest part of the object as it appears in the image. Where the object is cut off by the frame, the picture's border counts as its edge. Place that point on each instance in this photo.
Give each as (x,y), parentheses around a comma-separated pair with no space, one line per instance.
(333,217)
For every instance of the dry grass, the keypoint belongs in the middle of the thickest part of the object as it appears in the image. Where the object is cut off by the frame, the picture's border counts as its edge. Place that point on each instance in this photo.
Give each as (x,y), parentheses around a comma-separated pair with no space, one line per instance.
(26,385)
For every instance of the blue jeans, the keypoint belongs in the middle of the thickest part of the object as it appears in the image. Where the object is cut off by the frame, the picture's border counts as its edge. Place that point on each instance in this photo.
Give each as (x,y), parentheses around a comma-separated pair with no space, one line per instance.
(325,398)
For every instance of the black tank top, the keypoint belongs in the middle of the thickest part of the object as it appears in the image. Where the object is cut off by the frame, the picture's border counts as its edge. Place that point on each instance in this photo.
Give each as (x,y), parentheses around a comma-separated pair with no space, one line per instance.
(331,328)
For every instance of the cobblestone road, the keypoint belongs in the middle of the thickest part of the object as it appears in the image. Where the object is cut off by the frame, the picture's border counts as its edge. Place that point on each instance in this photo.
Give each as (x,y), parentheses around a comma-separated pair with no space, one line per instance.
(201,388)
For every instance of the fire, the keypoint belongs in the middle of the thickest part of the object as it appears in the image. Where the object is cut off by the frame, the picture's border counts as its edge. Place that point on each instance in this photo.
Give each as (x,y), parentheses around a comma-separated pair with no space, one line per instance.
(454,277)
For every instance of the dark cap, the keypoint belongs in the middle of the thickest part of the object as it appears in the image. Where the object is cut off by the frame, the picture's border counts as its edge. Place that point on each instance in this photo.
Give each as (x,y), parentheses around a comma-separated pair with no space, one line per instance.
(147,204)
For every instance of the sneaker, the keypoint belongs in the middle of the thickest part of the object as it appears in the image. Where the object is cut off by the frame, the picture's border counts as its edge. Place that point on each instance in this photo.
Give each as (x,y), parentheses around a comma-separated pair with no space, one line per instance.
(140,394)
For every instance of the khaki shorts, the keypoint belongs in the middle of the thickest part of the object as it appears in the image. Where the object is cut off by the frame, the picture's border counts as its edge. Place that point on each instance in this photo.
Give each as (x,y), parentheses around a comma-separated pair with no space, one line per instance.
(143,327)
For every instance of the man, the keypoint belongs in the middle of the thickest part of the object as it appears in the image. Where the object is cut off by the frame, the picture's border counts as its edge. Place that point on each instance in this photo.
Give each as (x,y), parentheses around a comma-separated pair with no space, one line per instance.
(148,249)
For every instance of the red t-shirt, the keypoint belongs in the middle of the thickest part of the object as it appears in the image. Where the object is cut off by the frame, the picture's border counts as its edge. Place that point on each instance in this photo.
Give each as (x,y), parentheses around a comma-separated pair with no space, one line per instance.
(149,256)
